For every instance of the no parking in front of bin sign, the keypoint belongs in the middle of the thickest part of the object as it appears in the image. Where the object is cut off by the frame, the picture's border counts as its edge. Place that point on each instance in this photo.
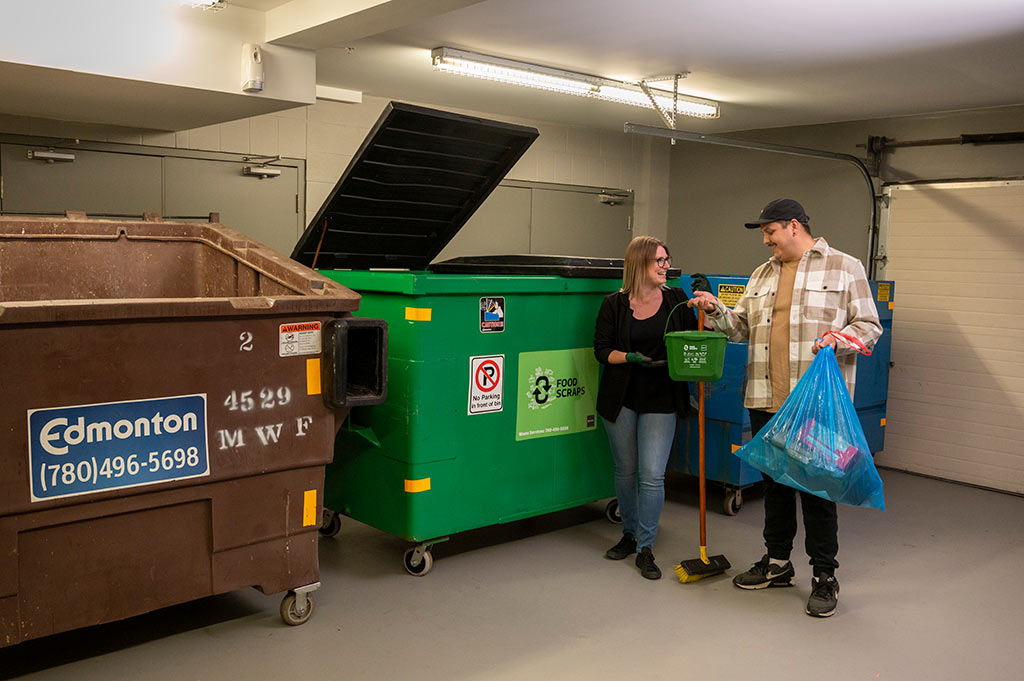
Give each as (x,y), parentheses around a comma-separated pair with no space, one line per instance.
(486,377)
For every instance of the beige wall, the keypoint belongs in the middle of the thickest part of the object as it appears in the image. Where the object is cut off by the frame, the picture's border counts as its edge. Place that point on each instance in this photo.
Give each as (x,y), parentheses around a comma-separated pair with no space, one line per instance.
(328,133)
(715,189)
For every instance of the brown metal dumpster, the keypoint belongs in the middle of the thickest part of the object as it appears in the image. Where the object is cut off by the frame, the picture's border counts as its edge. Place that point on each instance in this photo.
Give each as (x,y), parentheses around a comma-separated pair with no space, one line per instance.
(170,396)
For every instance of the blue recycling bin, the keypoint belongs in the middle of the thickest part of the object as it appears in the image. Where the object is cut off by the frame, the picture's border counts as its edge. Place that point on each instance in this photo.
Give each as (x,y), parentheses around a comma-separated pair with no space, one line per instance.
(727,423)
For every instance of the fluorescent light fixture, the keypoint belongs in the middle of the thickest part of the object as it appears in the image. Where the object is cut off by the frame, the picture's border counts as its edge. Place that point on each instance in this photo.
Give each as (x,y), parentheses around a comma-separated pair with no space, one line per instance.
(512,72)
(214,5)
(567,82)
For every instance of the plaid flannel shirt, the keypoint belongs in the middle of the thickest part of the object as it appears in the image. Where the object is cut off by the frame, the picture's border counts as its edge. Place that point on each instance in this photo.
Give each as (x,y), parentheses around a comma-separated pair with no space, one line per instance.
(830,292)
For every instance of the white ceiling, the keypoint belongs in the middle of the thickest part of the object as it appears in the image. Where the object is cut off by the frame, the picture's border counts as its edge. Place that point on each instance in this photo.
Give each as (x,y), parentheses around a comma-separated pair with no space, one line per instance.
(770,64)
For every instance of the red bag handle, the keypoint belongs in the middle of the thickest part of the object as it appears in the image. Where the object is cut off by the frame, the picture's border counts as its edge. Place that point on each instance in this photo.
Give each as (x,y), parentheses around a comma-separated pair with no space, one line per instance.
(850,341)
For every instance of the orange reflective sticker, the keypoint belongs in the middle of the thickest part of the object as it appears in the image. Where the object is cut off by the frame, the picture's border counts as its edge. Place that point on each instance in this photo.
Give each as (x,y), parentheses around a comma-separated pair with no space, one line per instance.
(422,485)
(313,376)
(417,314)
(309,509)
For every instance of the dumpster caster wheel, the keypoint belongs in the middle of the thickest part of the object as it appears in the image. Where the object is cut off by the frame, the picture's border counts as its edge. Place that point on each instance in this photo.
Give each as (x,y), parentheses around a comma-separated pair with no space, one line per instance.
(330,525)
(292,612)
(733,502)
(418,561)
(611,512)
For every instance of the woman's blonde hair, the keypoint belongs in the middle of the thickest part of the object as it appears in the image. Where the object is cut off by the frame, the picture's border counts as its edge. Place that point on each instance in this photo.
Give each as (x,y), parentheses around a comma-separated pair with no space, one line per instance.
(641,250)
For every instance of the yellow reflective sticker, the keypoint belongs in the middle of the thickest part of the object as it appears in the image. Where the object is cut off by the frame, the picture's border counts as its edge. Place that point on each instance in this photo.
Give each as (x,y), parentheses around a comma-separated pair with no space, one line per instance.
(417,314)
(891,304)
(309,510)
(313,376)
(883,422)
(422,485)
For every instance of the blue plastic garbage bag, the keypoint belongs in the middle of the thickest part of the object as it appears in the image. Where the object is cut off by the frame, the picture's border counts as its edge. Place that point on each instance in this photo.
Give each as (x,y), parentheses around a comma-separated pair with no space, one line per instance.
(815,442)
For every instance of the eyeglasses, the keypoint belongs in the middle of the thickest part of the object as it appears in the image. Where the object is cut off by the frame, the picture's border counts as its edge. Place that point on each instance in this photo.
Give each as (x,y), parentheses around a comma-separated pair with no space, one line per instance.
(663,262)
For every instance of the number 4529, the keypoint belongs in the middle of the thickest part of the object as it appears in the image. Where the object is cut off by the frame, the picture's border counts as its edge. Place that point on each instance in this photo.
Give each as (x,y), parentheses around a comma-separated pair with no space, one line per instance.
(269,398)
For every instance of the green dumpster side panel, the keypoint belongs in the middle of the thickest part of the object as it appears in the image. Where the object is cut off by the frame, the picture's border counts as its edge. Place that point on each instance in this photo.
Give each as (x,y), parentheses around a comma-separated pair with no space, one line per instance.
(478,473)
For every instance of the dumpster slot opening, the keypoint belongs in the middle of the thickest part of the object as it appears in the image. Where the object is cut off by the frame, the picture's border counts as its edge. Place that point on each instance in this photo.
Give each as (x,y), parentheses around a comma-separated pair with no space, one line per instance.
(357,351)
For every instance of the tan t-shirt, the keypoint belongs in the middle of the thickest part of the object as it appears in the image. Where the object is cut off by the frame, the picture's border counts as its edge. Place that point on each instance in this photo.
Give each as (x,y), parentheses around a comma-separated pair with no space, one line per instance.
(778,350)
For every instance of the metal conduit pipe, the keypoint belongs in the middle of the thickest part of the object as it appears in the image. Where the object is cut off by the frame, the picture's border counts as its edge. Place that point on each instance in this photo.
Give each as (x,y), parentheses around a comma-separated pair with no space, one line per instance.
(778,148)
(880,144)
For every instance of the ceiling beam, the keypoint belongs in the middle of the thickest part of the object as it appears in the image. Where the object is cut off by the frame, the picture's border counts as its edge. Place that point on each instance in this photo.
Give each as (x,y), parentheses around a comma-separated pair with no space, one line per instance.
(318,24)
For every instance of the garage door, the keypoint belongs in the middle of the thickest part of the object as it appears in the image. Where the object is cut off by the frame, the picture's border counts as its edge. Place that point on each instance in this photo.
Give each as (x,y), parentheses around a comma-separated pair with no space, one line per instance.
(956,390)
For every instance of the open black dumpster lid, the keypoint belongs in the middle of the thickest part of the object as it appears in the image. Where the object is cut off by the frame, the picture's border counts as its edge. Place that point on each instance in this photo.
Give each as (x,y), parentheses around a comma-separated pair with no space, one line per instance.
(415,181)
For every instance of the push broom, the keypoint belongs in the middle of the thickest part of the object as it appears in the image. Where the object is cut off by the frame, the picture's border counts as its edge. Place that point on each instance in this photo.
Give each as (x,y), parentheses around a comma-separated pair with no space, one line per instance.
(705,566)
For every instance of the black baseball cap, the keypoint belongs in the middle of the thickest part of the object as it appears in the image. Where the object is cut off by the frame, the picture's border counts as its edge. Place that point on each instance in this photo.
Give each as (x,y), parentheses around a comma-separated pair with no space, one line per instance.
(780,210)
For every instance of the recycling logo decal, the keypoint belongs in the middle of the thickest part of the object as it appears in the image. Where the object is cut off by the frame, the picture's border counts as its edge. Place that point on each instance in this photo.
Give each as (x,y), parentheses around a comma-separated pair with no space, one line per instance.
(541,390)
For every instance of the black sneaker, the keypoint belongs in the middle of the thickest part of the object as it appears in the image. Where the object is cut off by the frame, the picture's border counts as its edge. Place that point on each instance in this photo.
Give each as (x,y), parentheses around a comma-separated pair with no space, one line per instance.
(624,549)
(824,596)
(765,574)
(645,561)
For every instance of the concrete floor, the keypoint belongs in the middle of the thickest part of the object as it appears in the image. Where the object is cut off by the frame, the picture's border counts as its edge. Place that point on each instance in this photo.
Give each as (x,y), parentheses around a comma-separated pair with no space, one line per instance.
(930,591)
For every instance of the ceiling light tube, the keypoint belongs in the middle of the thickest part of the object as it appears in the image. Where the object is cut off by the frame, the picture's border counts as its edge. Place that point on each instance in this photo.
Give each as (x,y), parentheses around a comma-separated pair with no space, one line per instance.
(485,66)
(513,72)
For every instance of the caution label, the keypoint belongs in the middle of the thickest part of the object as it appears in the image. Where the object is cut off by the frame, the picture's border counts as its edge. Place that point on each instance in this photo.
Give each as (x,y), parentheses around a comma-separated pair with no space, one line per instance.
(486,379)
(492,315)
(730,294)
(302,338)
(884,291)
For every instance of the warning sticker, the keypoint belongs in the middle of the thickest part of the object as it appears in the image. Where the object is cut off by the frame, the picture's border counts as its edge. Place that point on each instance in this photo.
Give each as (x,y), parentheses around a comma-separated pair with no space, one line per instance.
(302,338)
(730,294)
(486,379)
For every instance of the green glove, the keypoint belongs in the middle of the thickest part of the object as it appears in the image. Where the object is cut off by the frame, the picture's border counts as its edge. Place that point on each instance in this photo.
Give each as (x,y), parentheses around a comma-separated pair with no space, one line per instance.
(699,282)
(637,357)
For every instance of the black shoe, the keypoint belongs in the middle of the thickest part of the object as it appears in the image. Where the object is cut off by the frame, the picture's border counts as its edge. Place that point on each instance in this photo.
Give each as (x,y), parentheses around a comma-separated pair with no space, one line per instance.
(824,596)
(624,549)
(645,561)
(765,574)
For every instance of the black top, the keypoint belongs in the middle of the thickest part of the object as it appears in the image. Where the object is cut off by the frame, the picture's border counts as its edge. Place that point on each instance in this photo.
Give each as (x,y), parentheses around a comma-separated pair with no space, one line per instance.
(543,265)
(613,331)
(649,390)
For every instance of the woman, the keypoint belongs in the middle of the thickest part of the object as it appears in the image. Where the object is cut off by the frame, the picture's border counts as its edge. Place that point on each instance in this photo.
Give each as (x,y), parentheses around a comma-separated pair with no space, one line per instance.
(636,399)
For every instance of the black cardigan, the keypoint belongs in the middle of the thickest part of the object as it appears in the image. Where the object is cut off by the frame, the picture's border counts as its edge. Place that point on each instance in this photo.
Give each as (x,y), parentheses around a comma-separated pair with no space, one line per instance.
(612,333)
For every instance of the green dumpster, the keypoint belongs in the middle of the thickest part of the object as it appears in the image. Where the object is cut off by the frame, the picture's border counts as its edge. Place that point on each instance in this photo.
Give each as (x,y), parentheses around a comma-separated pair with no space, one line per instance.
(492,381)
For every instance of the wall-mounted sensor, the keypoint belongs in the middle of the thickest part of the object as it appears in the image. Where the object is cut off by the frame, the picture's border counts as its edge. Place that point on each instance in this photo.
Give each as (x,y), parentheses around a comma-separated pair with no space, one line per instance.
(252,68)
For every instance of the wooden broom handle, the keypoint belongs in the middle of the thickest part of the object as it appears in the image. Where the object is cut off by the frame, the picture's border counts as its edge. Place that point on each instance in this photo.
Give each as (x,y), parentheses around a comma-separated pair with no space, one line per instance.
(700,444)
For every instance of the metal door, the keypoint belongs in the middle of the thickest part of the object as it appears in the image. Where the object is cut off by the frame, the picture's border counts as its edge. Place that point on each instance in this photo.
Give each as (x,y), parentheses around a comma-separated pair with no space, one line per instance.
(578,223)
(266,209)
(501,226)
(68,178)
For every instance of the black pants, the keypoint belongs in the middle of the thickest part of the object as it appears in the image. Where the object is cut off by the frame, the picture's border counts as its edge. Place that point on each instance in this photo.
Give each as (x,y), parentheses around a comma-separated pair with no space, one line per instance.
(821,519)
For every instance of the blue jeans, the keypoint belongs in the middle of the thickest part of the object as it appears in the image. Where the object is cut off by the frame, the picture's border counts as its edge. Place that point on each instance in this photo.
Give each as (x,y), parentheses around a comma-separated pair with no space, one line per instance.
(641,444)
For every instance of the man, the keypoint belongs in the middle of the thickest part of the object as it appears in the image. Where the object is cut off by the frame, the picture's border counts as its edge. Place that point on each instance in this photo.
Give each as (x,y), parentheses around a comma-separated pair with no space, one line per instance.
(804,290)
